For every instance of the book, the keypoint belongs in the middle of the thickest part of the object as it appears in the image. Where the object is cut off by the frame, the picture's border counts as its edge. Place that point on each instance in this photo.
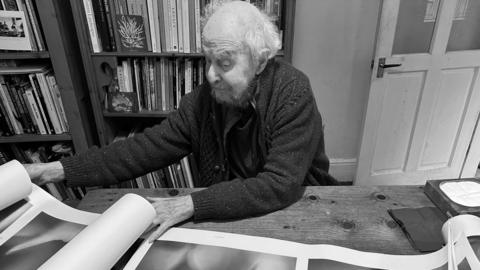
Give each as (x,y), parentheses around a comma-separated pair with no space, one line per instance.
(39,232)
(92,26)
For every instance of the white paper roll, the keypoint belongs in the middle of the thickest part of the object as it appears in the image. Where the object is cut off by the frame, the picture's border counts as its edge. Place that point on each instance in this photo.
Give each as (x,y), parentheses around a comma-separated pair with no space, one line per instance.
(102,243)
(15,183)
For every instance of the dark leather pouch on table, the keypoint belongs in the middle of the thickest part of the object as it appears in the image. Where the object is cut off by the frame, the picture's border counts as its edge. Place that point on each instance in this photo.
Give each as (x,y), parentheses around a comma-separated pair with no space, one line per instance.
(422,226)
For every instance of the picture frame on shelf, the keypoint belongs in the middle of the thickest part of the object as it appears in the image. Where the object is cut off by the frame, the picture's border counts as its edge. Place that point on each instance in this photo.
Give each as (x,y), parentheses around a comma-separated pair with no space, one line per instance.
(122,102)
(14,33)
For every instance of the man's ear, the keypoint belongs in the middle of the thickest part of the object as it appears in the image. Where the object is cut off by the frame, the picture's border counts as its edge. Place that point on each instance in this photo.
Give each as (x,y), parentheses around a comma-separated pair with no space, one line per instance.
(262,60)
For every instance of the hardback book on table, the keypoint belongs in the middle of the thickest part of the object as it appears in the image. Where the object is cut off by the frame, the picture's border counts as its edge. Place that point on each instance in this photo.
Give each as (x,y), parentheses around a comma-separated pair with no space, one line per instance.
(39,232)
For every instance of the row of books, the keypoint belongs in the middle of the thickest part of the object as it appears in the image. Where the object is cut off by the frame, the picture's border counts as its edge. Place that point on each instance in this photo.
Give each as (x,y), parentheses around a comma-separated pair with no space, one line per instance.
(152,25)
(30,102)
(144,25)
(43,153)
(19,26)
(182,174)
(155,84)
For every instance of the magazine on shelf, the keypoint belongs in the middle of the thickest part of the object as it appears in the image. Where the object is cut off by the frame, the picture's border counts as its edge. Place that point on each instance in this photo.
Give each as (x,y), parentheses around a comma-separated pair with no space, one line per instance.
(37,231)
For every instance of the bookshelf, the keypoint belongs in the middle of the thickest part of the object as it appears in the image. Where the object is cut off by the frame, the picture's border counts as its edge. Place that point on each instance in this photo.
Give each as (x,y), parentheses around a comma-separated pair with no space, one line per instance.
(110,124)
(54,47)
(60,55)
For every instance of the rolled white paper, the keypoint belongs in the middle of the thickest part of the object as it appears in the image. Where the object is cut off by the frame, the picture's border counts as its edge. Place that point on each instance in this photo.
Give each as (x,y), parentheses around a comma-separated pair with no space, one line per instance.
(102,243)
(15,184)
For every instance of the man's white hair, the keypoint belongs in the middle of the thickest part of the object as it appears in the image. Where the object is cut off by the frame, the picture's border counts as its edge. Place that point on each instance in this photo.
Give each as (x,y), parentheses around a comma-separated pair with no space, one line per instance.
(261,34)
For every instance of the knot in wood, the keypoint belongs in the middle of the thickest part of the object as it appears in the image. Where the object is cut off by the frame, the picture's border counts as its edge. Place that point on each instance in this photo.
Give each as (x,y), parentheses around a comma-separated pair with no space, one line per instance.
(379,196)
(391,224)
(173,192)
(312,197)
(348,224)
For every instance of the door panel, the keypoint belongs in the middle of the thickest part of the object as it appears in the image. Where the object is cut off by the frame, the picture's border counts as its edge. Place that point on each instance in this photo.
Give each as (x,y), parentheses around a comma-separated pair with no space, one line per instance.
(399,106)
(449,111)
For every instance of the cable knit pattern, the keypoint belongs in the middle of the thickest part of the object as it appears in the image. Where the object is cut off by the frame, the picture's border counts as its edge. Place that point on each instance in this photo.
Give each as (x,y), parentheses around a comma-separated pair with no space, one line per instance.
(294,153)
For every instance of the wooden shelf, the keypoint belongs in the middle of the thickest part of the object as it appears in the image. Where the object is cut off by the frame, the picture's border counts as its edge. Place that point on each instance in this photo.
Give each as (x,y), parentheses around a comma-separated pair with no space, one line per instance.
(141,114)
(148,54)
(25,138)
(280,53)
(24,55)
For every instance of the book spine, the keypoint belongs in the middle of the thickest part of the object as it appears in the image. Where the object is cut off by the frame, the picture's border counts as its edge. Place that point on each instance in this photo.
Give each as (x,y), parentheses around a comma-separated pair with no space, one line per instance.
(188,76)
(154,28)
(6,123)
(138,81)
(21,97)
(47,94)
(121,79)
(167,25)
(198,39)
(35,111)
(39,101)
(7,102)
(186,26)
(36,28)
(110,21)
(163,82)
(127,75)
(92,26)
(174,25)
(30,112)
(191,26)
(171,85)
(101,24)
(49,103)
(161,25)
(153,86)
(57,100)
(114,10)
(17,106)
(179,23)
(29,31)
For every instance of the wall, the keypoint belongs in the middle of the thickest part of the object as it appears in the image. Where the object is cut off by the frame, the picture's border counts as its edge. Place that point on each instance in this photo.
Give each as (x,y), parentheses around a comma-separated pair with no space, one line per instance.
(334,45)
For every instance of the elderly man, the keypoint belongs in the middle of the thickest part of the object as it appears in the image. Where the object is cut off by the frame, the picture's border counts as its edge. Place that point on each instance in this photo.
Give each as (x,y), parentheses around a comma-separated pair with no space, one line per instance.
(254,130)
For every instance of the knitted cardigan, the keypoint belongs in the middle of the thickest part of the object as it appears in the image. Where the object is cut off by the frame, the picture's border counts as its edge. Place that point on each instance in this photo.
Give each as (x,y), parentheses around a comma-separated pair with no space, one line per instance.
(291,133)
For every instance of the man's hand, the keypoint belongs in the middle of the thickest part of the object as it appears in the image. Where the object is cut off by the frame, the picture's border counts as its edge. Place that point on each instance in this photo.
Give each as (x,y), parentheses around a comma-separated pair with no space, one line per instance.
(170,211)
(43,173)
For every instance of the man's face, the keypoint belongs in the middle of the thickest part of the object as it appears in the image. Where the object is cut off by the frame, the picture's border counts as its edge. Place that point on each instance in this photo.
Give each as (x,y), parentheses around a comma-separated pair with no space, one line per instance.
(230,70)
(230,67)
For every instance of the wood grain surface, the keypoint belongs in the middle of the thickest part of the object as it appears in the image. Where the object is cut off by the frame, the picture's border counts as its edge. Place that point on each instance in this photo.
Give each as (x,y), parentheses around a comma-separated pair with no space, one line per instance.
(349,216)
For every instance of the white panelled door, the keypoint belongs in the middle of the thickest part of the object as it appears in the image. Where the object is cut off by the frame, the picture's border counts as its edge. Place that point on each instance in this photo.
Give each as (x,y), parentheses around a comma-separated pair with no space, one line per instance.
(424,98)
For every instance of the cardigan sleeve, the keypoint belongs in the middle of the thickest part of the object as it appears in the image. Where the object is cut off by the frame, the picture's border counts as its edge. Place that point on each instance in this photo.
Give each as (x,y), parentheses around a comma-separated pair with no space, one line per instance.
(296,127)
(151,150)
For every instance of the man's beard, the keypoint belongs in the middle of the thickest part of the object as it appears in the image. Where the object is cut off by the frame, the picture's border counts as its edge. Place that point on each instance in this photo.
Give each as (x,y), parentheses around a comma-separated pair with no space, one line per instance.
(240,102)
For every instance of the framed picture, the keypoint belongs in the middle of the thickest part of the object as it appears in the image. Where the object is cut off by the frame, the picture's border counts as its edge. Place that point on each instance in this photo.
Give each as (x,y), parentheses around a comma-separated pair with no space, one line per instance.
(14,33)
(122,102)
(131,33)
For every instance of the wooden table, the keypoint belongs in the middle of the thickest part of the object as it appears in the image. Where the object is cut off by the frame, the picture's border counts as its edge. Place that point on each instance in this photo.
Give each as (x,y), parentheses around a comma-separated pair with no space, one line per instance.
(350,216)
